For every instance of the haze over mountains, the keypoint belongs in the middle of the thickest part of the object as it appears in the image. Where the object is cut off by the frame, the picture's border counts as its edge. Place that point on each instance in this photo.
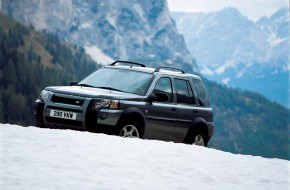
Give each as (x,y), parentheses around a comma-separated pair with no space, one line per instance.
(231,49)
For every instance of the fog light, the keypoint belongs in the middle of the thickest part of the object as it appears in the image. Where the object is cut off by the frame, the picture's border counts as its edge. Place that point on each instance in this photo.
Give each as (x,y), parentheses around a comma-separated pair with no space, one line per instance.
(103,116)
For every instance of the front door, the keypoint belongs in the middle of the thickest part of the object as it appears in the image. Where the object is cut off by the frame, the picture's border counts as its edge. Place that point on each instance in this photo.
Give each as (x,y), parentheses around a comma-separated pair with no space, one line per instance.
(161,116)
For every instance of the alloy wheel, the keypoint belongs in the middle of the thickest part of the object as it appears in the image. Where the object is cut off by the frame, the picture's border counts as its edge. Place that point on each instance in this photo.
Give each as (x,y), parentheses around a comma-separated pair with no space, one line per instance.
(129,131)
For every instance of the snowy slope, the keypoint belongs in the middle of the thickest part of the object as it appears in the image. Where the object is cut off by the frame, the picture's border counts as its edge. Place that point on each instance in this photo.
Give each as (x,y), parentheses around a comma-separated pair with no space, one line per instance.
(34,158)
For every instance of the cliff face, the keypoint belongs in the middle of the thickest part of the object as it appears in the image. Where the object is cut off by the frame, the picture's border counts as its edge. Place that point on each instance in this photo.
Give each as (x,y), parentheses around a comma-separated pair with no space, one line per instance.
(40,14)
(128,30)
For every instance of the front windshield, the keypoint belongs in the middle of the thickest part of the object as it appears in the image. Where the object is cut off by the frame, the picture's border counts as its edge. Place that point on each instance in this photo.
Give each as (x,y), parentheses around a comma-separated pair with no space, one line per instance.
(120,80)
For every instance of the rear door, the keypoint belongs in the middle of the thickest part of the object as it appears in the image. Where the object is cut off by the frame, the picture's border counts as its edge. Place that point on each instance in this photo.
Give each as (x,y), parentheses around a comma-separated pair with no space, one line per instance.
(187,110)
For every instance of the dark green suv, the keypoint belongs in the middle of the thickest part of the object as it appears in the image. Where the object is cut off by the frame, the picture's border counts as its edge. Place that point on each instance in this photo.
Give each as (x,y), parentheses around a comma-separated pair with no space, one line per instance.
(131,100)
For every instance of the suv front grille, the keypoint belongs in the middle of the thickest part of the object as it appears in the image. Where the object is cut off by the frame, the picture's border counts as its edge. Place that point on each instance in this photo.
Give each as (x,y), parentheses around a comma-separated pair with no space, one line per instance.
(65,109)
(70,101)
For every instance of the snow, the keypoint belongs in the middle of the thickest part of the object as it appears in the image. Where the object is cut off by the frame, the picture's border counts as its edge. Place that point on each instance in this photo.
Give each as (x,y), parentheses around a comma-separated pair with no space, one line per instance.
(139,11)
(226,81)
(276,41)
(207,71)
(228,64)
(35,158)
(86,25)
(273,39)
(97,55)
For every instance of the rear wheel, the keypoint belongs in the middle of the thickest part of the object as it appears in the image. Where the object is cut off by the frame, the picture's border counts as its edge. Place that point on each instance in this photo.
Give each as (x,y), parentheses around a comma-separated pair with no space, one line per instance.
(199,138)
(129,129)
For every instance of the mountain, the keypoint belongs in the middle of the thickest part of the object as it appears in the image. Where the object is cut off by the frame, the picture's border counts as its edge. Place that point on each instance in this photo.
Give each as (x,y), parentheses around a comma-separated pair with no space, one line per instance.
(30,61)
(118,30)
(48,159)
(231,49)
(276,28)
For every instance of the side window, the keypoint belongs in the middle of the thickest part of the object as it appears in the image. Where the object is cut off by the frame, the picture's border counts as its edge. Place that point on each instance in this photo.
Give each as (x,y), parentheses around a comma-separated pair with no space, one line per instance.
(201,93)
(183,92)
(164,85)
(192,100)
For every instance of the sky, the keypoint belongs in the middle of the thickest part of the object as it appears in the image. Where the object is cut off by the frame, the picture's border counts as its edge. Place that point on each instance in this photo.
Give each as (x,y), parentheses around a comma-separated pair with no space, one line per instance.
(253,9)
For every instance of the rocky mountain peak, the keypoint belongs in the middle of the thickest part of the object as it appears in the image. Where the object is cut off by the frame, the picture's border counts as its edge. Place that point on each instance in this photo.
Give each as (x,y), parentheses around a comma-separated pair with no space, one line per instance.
(238,52)
(128,30)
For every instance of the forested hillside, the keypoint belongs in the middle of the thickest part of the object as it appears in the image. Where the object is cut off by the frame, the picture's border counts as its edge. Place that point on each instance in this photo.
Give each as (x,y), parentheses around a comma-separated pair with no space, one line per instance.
(245,122)
(248,123)
(29,61)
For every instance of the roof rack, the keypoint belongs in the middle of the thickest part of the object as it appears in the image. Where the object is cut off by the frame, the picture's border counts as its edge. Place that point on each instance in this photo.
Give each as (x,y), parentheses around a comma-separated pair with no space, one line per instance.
(128,62)
(169,68)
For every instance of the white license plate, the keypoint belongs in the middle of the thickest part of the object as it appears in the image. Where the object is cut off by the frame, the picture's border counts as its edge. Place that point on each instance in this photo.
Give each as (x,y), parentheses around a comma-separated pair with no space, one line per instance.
(63,114)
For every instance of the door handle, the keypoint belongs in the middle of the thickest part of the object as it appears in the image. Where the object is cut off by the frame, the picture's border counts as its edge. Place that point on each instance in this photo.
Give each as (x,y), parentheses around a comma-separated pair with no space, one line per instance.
(195,111)
(173,109)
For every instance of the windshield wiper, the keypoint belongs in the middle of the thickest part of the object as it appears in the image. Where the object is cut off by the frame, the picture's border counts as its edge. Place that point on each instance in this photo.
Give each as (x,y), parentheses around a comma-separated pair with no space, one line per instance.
(86,85)
(102,87)
(109,88)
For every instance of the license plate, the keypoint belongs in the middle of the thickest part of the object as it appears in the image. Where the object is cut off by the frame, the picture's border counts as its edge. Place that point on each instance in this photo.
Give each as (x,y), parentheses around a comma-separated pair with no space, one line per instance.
(63,114)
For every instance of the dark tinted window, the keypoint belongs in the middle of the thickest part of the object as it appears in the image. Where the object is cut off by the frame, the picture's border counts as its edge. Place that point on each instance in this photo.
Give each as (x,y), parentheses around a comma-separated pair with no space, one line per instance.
(183,92)
(164,86)
(192,100)
(201,93)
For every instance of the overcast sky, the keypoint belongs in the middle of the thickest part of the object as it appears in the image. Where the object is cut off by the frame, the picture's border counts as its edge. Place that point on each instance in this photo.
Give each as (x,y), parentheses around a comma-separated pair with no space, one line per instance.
(253,9)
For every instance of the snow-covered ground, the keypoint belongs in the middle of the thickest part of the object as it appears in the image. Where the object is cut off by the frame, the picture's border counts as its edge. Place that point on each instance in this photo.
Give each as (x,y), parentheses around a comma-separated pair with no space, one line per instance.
(35,158)
(98,55)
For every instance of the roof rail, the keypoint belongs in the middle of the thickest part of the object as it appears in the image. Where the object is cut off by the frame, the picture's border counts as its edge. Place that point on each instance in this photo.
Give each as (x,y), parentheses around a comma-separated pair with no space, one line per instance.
(169,68)
(128,62)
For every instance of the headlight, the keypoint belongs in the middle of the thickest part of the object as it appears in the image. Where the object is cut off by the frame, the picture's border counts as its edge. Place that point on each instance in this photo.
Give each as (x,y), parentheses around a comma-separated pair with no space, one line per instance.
(105,103)
(44,95)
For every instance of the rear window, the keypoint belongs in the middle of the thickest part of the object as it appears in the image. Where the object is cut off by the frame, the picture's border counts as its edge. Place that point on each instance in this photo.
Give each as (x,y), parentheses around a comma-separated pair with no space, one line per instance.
(183,92)
(201,93)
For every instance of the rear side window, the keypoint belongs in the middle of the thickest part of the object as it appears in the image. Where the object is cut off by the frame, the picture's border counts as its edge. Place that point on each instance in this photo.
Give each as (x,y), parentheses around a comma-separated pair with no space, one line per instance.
(183,92)
(201,93)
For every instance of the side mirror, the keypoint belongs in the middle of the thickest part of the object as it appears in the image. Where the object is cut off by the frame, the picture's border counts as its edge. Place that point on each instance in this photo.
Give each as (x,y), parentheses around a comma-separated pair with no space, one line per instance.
(159,97)
(73,83)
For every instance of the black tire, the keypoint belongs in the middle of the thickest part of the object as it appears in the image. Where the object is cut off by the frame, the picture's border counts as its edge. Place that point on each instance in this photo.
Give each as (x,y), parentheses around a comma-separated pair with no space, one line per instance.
(39,124)
(129,129)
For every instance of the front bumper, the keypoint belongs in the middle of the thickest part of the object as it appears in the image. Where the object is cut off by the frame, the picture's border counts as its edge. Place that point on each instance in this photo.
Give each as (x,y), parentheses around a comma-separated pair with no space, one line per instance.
(38,113)
(103,120)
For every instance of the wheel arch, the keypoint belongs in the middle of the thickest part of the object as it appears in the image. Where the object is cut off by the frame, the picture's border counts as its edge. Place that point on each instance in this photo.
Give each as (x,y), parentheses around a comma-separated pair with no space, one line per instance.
(134,114)
(199,124)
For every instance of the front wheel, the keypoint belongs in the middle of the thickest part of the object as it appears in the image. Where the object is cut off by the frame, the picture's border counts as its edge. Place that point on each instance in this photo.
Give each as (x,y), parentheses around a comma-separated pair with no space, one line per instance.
(129,129)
